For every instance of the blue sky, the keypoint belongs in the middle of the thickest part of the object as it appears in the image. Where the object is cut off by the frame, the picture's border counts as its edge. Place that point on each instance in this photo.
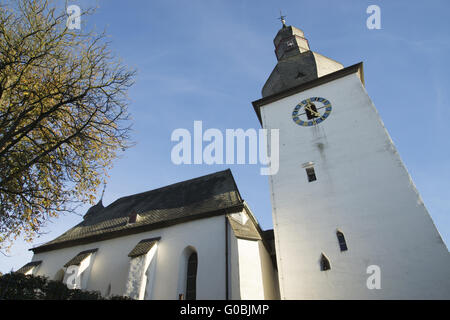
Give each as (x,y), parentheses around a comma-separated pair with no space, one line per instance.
(208,60)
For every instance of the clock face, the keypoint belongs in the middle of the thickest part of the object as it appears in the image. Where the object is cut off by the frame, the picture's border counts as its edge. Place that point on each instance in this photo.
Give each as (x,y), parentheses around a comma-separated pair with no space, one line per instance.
(311,111)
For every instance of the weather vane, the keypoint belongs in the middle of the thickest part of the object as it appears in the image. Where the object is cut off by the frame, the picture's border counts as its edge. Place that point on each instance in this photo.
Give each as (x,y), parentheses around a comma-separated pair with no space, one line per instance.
(282,19)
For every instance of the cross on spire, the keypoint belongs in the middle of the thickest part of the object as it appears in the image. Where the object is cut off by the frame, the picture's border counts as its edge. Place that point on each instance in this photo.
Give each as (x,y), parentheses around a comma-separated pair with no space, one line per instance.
(282,19)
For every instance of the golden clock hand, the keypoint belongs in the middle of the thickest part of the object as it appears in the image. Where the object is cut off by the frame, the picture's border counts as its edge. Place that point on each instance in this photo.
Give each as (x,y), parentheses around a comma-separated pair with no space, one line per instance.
(309,108)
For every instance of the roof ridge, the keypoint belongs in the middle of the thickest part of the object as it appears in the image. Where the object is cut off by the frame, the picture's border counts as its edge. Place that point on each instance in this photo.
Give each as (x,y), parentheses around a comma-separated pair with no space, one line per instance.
(173,185)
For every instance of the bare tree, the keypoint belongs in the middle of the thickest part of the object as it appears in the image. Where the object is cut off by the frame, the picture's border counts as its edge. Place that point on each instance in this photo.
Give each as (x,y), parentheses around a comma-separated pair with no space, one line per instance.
(63,115)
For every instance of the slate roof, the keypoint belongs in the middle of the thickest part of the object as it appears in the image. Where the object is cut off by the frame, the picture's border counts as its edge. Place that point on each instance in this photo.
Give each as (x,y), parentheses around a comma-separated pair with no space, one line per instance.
(244,231)
(75,261)
(143,247)
(197,198)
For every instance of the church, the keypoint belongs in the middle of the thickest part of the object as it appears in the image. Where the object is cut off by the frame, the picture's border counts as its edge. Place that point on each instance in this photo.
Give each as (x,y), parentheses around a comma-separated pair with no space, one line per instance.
(348,220)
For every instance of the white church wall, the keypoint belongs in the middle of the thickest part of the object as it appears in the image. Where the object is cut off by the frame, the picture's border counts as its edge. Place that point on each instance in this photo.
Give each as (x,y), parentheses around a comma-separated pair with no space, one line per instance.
(250,271)
(137,283)
(77,276)
(363,189)
(111,264)
(233,253)
(150,277)
(256,278)
(268,273)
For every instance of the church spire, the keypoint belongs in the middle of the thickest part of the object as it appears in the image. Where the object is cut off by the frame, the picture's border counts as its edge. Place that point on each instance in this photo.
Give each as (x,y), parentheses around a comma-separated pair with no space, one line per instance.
(103,192)
(296,63)
(289,41)
(98,207)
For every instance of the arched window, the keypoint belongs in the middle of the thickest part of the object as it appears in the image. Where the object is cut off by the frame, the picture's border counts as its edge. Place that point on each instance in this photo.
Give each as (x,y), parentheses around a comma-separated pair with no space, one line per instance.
(191,279)
(324,263)
(341,240)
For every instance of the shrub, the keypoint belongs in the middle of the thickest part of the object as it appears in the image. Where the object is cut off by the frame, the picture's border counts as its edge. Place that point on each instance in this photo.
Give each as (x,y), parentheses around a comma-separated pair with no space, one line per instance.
(17,286)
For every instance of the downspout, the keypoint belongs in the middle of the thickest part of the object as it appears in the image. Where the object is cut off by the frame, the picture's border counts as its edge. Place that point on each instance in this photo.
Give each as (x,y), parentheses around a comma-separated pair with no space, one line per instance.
(226,258)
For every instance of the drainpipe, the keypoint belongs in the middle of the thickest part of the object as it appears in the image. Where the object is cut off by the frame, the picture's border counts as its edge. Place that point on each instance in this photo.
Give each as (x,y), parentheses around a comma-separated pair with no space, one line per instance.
(226,257)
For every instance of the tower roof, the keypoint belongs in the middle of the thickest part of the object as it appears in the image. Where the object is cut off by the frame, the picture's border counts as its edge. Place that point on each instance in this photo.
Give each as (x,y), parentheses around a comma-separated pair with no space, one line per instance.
(356,68)
(297,64)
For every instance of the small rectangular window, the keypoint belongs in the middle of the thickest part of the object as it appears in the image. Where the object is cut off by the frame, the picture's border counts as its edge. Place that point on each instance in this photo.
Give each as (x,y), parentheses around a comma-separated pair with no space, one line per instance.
(132,217)
(311,174)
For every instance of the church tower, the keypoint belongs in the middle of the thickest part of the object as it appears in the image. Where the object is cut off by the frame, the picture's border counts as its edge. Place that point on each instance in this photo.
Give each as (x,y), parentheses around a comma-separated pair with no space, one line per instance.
(348,221)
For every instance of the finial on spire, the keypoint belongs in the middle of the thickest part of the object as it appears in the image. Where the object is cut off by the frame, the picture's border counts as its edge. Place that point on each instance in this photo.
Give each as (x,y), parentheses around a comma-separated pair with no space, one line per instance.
(282,19)
(103,192)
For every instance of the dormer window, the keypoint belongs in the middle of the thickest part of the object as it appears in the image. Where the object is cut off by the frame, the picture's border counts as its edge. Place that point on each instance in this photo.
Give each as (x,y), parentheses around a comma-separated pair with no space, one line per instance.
(132,217)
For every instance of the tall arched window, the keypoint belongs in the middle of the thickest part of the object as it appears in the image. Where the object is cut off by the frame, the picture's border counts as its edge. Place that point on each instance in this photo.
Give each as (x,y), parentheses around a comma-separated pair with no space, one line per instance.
(191,279)
(341,240)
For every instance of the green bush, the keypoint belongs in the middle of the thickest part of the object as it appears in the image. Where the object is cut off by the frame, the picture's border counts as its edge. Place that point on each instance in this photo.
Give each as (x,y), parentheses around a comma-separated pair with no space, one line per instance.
(17,286)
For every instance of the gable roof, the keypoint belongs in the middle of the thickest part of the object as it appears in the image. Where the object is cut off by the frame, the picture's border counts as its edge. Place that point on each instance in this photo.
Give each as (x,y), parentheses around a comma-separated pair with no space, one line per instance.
(75,261)
(29,266)
(202,197)
(246,231)
(143,247)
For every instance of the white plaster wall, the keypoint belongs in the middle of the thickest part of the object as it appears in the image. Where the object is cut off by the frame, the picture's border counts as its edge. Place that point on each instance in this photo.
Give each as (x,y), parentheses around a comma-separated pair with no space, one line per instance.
(150,275)
(363,189)
(233,266)
(268,274)
(111,262)
(77,276)
(137,282)
(250,271)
